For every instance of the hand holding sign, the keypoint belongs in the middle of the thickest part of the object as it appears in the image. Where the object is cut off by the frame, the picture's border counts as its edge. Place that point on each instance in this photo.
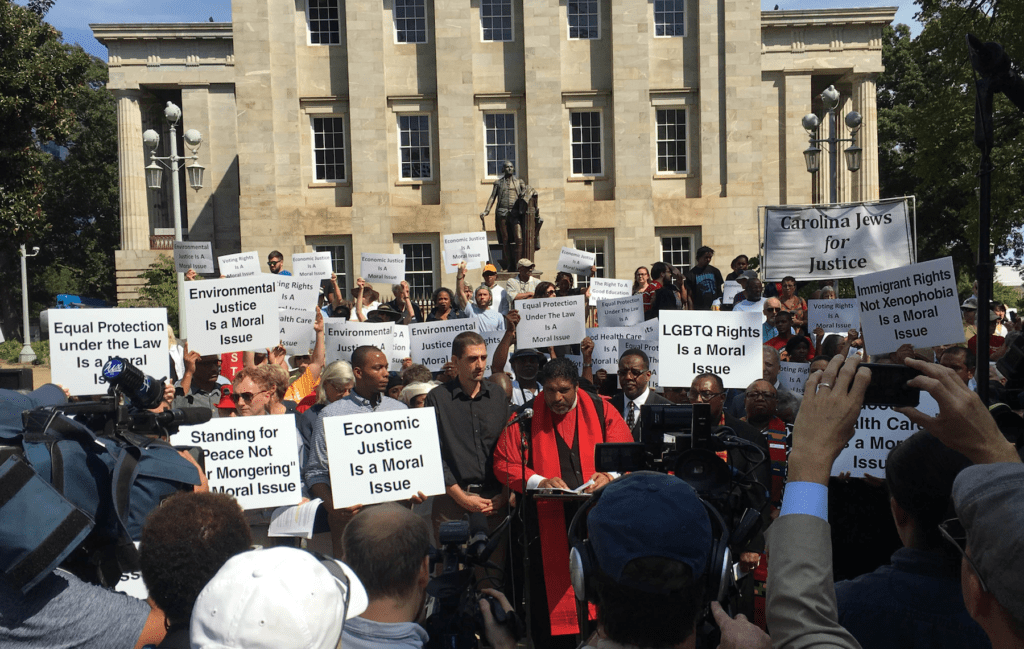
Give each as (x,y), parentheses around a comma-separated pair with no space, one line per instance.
(576,261)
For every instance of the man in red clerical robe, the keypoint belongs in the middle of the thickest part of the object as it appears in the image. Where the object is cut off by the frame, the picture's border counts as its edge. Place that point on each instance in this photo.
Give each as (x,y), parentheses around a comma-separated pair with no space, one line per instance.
(567,423)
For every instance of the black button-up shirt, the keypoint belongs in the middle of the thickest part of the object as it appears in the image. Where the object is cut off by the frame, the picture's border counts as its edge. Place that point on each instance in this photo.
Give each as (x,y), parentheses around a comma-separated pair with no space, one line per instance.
(468,429)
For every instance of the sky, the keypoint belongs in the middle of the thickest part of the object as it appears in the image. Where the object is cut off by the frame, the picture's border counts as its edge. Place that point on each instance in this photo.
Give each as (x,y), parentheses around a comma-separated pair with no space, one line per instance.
(72,17)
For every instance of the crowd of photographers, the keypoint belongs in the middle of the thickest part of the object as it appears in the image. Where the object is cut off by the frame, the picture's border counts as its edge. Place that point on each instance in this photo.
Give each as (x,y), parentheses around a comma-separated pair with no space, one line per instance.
(645,554)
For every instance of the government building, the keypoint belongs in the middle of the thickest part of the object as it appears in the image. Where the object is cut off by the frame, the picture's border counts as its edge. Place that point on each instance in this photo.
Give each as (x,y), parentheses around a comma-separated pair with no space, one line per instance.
(647,128)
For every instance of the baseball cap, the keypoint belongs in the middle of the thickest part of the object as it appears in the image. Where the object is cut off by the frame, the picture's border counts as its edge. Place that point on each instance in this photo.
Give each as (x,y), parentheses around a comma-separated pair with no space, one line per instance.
(278,598)
(525,262)
(970,303)
(648,514)
(989,503)
(225,397)
(747,274)
(489,268)
(520,353)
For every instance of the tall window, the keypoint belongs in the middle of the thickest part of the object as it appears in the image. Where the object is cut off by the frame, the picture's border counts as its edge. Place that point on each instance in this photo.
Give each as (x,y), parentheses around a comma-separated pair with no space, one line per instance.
(586,143)
(410,21)
(419,269)
(324,23)
(329,149)
(496,20)
(500,140)
(339,261)
(669,17)
(584,19)
(677,250)
(597,245)
(671,140)
(414,147)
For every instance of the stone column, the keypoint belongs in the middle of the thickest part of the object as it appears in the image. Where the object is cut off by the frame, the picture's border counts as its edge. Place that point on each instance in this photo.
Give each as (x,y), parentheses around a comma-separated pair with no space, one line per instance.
(712,100)
(796,188)
(865,102)
(131,172)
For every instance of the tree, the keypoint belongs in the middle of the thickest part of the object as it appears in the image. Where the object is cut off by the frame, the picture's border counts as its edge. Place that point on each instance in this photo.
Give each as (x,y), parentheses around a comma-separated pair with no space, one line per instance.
(161,289)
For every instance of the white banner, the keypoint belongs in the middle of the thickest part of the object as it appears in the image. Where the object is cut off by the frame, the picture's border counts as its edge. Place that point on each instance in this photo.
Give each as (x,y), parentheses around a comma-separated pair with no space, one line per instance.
(193,254)
(383,456)
(430,343)
(399,346)
(609,289)
(878,431)
(550,321)
(470,247)
(341,337)
(792,376)
(225,315)
(82,340)
(725,343)
(621,312)
(243,264)
(812,243)
(312,265)
(649,347)
(255,459)
(575,261)
(834,316)
(297,334)
(606,344)
(386,269)
(296,294)
(915,304)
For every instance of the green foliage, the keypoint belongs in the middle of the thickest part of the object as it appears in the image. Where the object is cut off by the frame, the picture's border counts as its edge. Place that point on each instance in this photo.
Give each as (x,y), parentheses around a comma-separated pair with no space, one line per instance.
(161,289)
(10,351)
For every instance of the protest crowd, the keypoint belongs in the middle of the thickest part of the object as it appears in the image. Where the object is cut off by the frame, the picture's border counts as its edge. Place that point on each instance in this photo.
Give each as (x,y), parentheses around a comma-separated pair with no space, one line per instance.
(488,401)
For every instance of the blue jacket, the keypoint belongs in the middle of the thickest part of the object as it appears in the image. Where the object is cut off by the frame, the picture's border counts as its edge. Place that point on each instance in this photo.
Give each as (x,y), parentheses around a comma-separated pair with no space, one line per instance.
(361,633)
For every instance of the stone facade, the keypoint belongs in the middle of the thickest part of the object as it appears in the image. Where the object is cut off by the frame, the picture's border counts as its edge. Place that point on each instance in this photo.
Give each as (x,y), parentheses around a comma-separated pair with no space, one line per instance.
(740,78)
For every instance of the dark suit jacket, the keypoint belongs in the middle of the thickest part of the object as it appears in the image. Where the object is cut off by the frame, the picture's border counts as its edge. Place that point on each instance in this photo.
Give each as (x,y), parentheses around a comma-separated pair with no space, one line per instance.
(618,401)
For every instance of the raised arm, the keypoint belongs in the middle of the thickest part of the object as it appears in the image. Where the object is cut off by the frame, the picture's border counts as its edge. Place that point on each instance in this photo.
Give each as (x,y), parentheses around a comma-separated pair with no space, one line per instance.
(460,285)
(501,352)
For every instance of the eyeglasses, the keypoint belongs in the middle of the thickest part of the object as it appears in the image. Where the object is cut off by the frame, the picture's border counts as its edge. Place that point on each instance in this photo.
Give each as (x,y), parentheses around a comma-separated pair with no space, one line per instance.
(953,531)
(767,396)
(630,372)
(247,396)
(703,395)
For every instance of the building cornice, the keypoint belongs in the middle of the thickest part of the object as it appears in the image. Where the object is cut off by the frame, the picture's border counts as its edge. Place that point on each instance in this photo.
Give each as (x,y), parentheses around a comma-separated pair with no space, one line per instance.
(828,17)
(108,32)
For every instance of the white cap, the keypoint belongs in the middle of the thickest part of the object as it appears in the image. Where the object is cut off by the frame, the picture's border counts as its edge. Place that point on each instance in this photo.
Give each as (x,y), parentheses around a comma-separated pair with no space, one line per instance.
(279,598)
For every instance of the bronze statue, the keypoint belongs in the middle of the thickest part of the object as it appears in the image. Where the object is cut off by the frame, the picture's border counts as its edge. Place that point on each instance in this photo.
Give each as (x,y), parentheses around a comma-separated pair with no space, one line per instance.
(518,233)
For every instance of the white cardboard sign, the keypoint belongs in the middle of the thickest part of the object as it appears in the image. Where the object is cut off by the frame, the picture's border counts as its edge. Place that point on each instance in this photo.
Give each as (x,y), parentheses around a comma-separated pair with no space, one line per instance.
(312,265)
(606,344)
(493,339)
(297,294)
(386,269)
(621,312)
(430,343)
(255,459)
(725,343)
(383,456)
(193,254)
(792,376)
(226,315)
(834,316)
(915,304)
(297,334)
(243,264)
(878,431)
(470,247)
(729,290)
(575,261)
(550,321)
(649,347)
(82,340)
(609,289)
(342,337)
(399,346)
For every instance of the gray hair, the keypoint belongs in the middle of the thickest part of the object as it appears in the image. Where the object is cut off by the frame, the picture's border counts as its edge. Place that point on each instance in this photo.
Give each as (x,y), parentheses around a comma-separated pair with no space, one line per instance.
(339,374)
(768,349)
(828,290)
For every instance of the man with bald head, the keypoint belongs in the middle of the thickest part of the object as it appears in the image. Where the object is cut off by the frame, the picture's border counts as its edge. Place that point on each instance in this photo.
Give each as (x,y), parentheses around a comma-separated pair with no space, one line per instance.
(770,308)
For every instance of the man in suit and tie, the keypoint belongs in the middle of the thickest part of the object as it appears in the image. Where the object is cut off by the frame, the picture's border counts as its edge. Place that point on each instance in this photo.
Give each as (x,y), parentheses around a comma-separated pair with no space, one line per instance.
(634,381)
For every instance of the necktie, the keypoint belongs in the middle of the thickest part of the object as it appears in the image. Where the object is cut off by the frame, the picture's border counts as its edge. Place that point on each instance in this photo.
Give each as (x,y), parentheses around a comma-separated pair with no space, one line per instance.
(631,417)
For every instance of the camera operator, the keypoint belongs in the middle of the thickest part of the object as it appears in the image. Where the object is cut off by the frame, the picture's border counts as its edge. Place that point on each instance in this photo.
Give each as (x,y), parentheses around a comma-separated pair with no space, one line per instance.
(387,547)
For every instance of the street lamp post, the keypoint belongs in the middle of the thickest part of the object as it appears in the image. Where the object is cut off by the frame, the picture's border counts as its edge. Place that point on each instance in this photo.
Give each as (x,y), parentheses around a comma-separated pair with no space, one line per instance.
(26,355)
(812,154)
(174,162)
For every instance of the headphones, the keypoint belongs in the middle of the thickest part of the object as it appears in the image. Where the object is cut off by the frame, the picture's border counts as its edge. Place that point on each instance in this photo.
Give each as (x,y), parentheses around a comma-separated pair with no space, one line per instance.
(583,564)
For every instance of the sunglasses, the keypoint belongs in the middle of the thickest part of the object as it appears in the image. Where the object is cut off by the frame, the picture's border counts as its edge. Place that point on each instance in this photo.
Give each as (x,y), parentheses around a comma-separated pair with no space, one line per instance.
(246,396)
(631,372)
(273,262)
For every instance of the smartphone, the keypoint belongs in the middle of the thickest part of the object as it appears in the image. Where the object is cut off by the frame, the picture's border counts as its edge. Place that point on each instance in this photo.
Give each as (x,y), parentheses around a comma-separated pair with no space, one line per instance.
(889,386)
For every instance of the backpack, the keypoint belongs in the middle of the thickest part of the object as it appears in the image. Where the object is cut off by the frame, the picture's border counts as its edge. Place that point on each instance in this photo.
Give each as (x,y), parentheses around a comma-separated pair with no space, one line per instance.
(73,497)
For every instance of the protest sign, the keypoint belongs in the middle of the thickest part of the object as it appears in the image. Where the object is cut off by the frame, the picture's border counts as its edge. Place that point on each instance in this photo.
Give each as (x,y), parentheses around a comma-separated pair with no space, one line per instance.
(197,255)
(493,339)
(131,583)
(577,360)
(399,346)
(341,337)
(297,334)
(244,264)
(383,456)
(82,340)
(621,312)
(430,343)
(606,344)
(386,269)
(609,289)
(878,430)
(255,459)
(550,321)
(651,329)
(312,265)
(576,261)
(225,315)
(915,304)
(792,376)
(296,294)
(729,291)
(725,343)
(470,247)
(649,347)
(834,316)
(813,243)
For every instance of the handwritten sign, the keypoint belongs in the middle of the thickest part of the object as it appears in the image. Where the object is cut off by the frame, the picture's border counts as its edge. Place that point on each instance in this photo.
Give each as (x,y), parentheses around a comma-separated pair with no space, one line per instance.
(226,315)
(193,254)
(255,459)
(697,342)
(834,316)
(649,347)
(342,337)
(470,247)
(312,265)
(383,456)
(386,269)
(550,321)
(915,304)
(431,342)
(609,289)
(572,260)
(792,376)
(878,431)
(82,340)
(621,312)
(243,264)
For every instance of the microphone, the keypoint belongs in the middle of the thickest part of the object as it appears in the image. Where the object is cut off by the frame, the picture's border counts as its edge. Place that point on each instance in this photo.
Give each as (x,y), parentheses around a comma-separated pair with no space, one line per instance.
(477,542)
(184,416)
(527,413)
(143,391)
